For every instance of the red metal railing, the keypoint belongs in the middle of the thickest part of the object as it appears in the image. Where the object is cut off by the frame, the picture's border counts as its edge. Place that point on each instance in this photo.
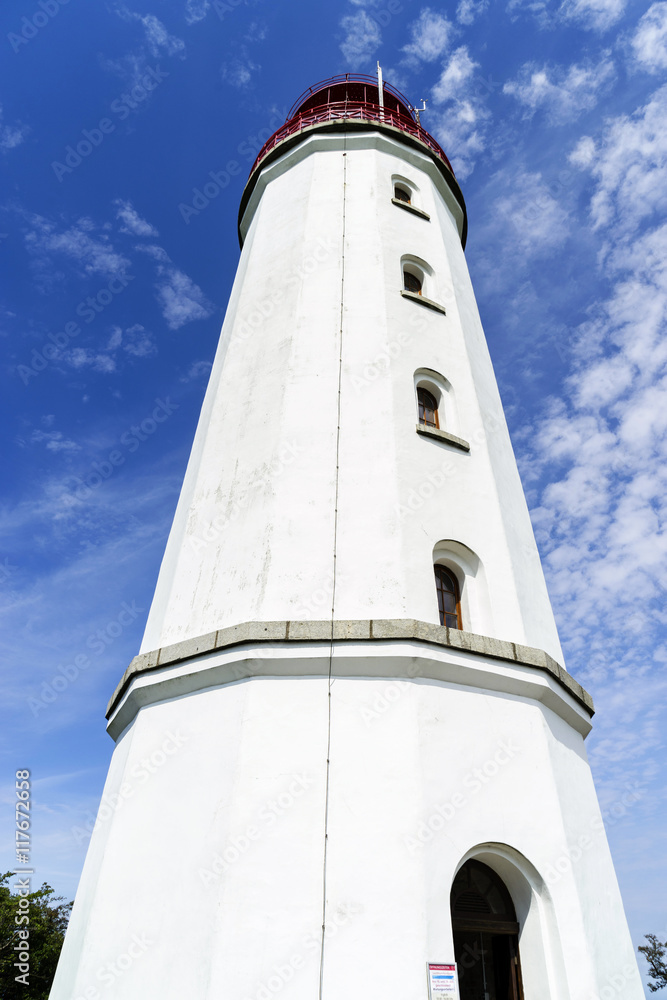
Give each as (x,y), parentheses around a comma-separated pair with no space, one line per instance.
(350,111)
(350,79)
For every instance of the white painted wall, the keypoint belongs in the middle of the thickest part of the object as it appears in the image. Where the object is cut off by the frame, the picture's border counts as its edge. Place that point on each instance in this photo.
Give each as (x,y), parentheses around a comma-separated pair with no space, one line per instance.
(253,534)
(405,809)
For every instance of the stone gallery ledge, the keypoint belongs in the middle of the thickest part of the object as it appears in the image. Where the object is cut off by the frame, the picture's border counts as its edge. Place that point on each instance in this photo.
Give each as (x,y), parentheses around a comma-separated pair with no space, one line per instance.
(356,630)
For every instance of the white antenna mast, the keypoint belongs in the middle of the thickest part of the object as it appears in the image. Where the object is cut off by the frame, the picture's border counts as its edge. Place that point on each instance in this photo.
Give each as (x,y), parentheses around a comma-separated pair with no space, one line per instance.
(419,111)
(380,86)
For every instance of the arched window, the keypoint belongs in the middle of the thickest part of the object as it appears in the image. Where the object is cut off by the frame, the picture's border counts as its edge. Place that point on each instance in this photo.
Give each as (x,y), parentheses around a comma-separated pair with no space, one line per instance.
(411,282)
(449,601)
(486,943)
(428,408)
(402,194)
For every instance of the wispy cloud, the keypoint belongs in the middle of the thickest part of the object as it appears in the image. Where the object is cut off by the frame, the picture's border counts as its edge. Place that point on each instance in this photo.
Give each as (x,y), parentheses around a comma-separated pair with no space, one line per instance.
(462,124)
(82,243)
(469,10)
(430,37)
(158,39)
(564,92)
(362,39)
(132,221)
(240,71)
(180,299)
(135,341)
(629,166)
(593,15)
(649,42)
(11,136)
(597,459)
(54,441)
(196,10)
(197,370)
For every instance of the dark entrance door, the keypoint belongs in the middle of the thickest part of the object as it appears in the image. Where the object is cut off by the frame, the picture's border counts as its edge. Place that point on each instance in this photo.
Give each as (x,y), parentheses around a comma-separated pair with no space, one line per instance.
(486,942)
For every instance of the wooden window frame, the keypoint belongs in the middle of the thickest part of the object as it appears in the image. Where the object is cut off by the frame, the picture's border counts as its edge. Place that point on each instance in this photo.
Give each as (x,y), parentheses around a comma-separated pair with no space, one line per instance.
(440,570)
(408,277)
(421,408)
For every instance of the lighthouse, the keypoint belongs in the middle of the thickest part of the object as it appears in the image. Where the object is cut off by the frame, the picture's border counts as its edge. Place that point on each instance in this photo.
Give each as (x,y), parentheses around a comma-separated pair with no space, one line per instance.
(349,760)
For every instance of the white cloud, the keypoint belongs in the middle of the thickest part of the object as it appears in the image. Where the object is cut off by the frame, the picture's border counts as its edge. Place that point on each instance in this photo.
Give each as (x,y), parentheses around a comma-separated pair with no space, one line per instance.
(158,39)
(11,135)
(82,243)
(629,165)
(563,92)
(196,10)
(135,341)
(197,370)
(533,219)
(83,357)
(597,15)
(257,31)
(154,251)
(430,36)
(468,10)
(594,15)
(138,342)
(132,221)
(362,38)
(456,76)
(649,42)
(239,72)
(602,451)
(54,441)
(461,126)
(181,300)
(131,67)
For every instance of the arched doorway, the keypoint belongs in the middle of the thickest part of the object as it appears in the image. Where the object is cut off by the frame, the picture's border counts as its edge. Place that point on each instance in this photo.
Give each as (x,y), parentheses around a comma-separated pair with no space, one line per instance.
(486,935)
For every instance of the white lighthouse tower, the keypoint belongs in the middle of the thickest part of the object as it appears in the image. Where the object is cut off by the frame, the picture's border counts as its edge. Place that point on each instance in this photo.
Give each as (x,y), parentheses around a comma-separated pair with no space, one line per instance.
(348,757)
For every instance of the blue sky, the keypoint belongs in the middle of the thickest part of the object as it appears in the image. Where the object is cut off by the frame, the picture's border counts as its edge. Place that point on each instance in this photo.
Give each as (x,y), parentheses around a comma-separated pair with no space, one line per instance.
(555,118)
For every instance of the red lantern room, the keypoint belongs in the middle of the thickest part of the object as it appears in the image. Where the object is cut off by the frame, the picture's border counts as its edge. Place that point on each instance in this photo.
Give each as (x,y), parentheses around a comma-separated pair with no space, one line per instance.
(352,102)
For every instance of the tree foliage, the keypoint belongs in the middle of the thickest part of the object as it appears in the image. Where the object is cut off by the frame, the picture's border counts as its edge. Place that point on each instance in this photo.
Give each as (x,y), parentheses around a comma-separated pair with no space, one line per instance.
(654,953)
(48,917)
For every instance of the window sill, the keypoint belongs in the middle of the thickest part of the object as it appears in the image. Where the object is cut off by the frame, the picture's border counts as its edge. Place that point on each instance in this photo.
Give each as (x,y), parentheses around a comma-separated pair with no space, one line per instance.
(411,208)
(429,303)
(445,436)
